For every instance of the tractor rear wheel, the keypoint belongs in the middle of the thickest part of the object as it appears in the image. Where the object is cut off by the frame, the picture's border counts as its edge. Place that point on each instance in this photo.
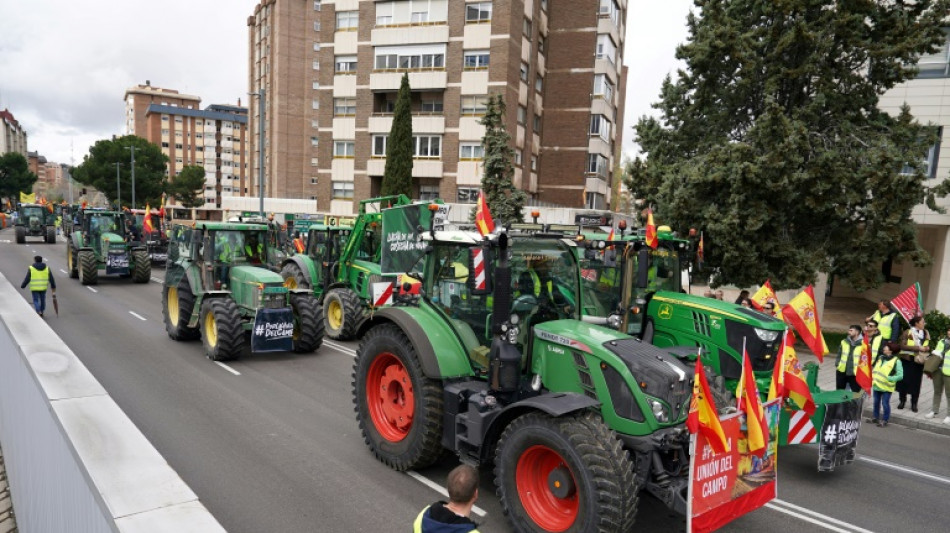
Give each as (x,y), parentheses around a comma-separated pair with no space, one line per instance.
(398,408)
(71,261)
(88,267)
(177,305)
(293,277)
(308,323)
(564,474)
(50,234)
(141,267)
(221,330)
(343,313)
(20,235)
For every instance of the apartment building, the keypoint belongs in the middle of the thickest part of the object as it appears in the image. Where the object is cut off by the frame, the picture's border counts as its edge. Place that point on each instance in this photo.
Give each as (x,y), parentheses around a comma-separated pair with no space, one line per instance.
(12,136)
(138,98)
(330,72)
(37,164)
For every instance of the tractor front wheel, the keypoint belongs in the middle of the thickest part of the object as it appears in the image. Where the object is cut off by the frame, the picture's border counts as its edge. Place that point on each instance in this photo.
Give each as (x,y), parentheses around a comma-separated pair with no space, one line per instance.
(88,267)
(20,235)
(177,305)
(221,330)
(71,261)
(565,474)
(398,408)
(308,323)
(293,277)
(50,234)
(141,267)
(343,311)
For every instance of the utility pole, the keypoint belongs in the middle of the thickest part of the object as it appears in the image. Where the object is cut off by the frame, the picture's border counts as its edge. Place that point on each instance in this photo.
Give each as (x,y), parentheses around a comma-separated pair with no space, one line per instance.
(260,146)
(133,173)
(118,188)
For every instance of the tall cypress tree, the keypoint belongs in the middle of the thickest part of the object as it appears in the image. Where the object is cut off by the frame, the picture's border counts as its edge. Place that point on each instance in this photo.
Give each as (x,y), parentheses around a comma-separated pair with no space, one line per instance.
(504,200)
(771,140)
(397,178)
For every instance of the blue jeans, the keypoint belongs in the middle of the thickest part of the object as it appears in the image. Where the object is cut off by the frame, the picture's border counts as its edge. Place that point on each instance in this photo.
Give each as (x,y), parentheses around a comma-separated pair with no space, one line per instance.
(879,398)
(39,301)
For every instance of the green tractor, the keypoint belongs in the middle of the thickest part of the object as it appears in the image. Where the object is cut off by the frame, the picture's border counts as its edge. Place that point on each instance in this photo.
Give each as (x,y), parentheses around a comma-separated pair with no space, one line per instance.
(35,220)
(98,241)
(218,287)
(491,361)
(340,265)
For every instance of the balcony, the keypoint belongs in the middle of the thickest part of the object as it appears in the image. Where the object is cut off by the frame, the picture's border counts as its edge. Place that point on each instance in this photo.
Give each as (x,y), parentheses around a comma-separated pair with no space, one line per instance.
(434,32)
(382,123)
(389,80)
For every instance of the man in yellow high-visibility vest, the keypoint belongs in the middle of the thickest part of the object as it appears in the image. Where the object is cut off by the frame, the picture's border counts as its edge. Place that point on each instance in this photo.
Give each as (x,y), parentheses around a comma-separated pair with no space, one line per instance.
(39,278)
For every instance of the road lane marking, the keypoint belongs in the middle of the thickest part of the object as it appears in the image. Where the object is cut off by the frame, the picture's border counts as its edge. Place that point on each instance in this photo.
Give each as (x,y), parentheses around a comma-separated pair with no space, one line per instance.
(226,367)
(339,347)
(906,469)
(63,271)
(814,517)
(90,288)
(440,489)
(138,316)
(156,280)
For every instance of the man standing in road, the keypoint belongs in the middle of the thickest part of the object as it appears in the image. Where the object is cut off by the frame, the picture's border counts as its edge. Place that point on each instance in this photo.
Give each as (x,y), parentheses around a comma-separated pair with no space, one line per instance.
(39,277)
(452,517)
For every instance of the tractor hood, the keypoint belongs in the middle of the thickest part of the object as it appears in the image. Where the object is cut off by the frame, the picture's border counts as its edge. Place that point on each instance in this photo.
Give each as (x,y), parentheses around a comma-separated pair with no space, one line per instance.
(112,238)
(254,274)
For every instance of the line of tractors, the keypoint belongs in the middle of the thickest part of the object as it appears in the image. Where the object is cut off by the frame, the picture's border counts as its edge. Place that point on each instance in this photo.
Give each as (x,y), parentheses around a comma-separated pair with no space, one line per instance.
(561,359)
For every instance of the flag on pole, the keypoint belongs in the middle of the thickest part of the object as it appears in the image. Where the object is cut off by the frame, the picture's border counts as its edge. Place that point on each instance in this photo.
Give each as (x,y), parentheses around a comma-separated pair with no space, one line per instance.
(483,218)
(611,236)
(652,241)
(764,295)
(863,372)
(703,415)
(908,303)
(147,221)
(747,395)
(796,386)
(802,314)
(777,386)
(700,252)
(161,209)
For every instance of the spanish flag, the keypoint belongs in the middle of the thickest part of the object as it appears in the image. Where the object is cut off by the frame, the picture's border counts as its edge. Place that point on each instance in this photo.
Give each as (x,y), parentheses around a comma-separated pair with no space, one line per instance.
(483,218)
(161,209)
(703,415)
(763,296)
(863,372)
(802,314)
(147,221)
(652,241)
(748,399)
(777,386)
(700,252)
(796,386)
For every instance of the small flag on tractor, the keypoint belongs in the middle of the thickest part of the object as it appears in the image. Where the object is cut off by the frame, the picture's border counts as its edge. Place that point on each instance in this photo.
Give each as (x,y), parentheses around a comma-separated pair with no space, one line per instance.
(161,209)
(483,218)
(802,314)
(700,252)
(652,240)
(747,395)
(147,221)
(777,386)
(908,303)
(703,415)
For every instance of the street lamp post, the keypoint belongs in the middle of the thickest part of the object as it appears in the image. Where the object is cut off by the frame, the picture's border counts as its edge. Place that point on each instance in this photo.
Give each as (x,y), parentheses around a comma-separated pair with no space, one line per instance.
(260,143)
(118,188)
(132,148)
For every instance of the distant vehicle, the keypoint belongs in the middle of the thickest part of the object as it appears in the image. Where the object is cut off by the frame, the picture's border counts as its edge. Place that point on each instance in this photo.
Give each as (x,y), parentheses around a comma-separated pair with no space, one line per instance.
(34,220)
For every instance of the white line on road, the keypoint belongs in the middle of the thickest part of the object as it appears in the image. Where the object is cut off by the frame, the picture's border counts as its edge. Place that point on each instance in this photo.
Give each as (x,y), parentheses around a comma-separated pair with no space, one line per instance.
(906,469)
(64,272)
(138,316)
(93,290)
(156,280)
(813,517)
(348,351)
(226,367)
(440,489)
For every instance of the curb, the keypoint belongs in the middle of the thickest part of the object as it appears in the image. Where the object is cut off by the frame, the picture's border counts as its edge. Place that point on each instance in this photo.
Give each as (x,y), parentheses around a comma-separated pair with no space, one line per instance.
(913,423)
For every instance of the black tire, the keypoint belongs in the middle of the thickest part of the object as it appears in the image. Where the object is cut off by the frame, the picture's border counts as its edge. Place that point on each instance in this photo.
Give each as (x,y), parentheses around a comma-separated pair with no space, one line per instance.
(221,330)
(308,323)
(51,235)
(294,278)
(20,235)
(176,318)
(141,267)
(72,262)
(419,445)
(88,267)
(594,464)
(344,314)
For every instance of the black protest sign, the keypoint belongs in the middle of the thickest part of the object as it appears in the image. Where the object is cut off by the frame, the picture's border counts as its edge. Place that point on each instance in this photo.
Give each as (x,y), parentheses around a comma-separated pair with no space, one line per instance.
(839,434)
(273,331)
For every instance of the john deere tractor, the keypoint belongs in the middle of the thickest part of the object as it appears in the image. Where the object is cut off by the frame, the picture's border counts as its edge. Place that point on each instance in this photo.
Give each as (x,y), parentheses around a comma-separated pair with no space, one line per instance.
(35,220)
(218,287)
(492,361)
(99,242)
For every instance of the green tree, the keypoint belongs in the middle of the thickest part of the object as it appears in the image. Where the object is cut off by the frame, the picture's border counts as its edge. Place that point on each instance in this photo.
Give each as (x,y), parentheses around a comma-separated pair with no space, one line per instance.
(15,176)
(771,140)
(98,170)
(188,186)
(397,177)
(505,202)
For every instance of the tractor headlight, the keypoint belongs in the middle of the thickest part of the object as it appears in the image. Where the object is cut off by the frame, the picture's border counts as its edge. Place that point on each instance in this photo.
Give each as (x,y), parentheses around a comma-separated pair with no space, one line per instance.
(512,334)
(613,321)
(766,335)
(660,411)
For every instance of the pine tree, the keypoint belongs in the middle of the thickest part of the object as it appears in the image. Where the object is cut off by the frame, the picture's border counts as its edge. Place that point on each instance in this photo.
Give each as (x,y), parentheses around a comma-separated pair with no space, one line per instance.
(188,186)
(772,143)
(397,178)
(505,202)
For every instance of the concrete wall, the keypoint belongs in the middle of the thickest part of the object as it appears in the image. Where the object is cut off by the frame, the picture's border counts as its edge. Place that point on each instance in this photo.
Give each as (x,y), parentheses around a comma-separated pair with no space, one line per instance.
(74,460)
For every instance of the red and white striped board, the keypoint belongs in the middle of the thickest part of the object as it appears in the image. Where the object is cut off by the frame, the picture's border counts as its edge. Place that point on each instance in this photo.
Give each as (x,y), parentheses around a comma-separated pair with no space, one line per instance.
(800,429)
(382,293)
(478,261)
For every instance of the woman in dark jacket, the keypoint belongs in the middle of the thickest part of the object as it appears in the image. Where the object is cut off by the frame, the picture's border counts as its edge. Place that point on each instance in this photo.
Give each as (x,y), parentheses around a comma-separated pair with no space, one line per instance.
(914,341)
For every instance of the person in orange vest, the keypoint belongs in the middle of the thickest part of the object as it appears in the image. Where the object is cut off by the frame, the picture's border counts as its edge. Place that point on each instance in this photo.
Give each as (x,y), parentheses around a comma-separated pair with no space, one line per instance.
(39,278)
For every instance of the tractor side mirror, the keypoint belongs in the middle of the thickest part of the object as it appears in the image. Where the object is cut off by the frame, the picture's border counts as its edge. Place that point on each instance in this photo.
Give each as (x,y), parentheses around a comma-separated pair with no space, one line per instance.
(643,266)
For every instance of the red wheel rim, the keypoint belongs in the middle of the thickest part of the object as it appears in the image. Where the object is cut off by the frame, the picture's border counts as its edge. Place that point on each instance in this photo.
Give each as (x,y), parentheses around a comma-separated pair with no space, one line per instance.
(389,397)
(532,477)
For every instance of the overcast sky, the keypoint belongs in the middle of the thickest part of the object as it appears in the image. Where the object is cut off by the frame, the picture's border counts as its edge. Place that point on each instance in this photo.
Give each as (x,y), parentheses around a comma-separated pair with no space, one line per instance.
(65,64)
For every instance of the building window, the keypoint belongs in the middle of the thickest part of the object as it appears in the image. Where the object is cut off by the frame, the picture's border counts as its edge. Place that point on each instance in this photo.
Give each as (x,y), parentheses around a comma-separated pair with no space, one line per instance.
(606,49)
(164,118)
(474,106)
(936,65)
(316,27)
(534,163)
(431,106)
(603,88)
(610,9)
(540,43)
(600,126)
(316,64)
(345,65)
(178,120)
(522,114)
(476,60)
(314,161)
(347,20)
(526,28)
(421,57)
(478,12)
(467,195)
(344,107)
(177,147)
(471,151)
(419,17)
(519,157)
(379,145)
(316,85)
(427,146)
(314,123)
(342,190)
(344,149)
(316,47)
(524,71)
(313,180)
(316,5)
(597,165)
(538,83)
(164,132)
(164,145)
(314,141)
(537,124)
(428,192)
(928,166)
(544,5)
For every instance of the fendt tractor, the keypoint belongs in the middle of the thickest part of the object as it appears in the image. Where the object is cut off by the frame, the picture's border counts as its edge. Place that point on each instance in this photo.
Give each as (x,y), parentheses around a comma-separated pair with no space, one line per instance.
(35,220)
(218,287)
(98,241)
(340,264)
(498,368)
(639,290)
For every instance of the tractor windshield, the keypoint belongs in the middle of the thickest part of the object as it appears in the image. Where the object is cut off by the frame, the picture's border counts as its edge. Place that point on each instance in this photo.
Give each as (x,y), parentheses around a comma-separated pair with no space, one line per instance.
(102,223)
(239,247)
(34,212)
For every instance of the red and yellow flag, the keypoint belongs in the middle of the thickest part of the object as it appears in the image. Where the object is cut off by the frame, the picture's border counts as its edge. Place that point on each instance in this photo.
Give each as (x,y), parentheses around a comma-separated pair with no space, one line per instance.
(652,240)
(863,371)
(161,209)
(147,221)
(802,314)
(747,395)
(703,415)
(764,295)
(796,386)
(777,386)
(483,218)
(700,252)
(611,236)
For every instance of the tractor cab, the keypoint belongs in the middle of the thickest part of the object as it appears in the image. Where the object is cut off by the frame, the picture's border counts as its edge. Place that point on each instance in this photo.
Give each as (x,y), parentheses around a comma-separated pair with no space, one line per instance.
(102,228)
(222,249)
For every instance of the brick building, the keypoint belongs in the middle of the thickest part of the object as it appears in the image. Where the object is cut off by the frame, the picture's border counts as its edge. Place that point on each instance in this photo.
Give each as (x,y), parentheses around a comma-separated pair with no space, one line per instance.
(12,135)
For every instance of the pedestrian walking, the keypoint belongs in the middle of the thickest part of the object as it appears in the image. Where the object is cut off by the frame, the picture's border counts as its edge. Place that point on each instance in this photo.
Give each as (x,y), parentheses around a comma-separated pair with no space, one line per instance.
(886,374)
(452,516)
(914,341)
(888,322)
(941,377)
(39,278)
(849,357)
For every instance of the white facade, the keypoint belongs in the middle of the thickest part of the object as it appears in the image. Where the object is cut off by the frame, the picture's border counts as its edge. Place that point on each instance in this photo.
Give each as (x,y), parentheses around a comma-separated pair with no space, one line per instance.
(12,134)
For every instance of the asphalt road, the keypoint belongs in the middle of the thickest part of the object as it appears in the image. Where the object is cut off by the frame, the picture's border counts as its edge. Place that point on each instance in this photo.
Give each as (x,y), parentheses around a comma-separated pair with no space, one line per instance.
(270,442)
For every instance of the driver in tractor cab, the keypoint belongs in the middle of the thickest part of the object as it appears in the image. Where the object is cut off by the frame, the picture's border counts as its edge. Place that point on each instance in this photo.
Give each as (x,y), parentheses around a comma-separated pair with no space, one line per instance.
(254,250)
(546,288)
(224,251)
